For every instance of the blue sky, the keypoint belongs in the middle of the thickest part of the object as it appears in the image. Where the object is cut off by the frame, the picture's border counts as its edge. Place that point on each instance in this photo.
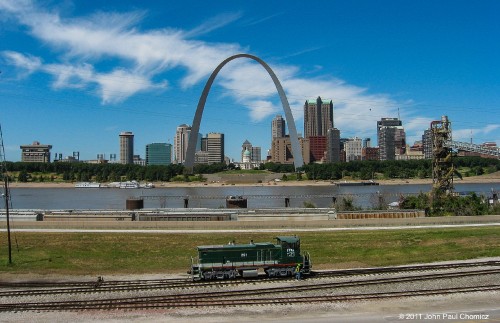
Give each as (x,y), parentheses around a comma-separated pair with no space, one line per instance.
(77,73)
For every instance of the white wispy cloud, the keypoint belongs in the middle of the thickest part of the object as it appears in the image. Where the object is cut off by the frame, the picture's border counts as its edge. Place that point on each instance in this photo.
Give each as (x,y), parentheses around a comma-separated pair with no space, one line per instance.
(212,24)
(140,56)
(465,134)
(28,63)
(258,20)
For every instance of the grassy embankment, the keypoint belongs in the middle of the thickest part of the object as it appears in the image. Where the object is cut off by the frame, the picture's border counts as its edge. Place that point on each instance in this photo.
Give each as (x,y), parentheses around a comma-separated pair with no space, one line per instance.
(106,253)
(97,253)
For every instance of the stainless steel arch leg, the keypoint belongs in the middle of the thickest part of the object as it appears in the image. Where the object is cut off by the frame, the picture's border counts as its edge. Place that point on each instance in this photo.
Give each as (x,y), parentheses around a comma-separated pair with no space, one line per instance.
(195,129)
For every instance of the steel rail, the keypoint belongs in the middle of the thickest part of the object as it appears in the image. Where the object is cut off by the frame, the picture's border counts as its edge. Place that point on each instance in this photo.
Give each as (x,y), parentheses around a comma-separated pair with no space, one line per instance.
(172,300)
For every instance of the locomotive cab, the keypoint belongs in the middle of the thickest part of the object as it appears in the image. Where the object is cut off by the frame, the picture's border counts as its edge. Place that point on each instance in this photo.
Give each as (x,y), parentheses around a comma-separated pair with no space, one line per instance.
(290,252)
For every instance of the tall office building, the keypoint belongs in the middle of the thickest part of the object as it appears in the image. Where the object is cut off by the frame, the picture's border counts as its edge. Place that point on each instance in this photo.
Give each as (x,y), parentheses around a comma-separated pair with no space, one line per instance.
(215,147)
(333,145)
(391,138)
(281,150)
(126,147)
(278,127)
(318,117)
(427,143)
(158,154)
(181,142)
(256,155)
(35,153)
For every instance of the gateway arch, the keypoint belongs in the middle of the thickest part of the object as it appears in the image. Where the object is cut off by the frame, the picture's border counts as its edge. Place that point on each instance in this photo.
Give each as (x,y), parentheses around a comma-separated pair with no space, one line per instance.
(195,129)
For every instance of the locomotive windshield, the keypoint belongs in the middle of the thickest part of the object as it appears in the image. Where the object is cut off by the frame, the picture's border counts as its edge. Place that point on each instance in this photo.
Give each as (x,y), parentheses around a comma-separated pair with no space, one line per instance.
(289,243)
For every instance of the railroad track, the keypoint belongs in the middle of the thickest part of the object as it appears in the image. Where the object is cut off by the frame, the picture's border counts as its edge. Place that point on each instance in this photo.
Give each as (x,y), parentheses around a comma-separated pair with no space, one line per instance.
(273,295)
(390,270)
(88,287)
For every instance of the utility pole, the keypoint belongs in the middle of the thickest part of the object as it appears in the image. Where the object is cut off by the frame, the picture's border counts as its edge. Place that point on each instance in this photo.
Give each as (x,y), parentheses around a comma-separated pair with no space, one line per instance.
(6,188)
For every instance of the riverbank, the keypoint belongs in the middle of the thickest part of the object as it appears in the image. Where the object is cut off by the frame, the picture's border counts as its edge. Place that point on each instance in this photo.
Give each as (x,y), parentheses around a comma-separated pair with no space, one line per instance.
(487,178)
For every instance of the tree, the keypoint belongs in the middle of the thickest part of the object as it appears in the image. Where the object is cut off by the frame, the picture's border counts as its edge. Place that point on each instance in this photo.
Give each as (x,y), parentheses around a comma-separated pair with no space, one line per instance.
(22,176)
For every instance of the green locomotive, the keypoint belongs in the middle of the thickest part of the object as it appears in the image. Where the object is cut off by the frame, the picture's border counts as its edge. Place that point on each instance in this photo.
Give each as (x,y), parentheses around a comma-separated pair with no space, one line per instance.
(245,260)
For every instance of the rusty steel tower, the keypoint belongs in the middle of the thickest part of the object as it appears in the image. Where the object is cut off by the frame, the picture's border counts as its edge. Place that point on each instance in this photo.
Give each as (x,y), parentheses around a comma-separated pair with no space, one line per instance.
(442,164)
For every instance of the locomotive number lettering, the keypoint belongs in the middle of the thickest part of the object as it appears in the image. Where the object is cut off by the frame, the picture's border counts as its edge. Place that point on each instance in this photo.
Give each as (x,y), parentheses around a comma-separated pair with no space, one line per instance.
(243,255)
(290,252)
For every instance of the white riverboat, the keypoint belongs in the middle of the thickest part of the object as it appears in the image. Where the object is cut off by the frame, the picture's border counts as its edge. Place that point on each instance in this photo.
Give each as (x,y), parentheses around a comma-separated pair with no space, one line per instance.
(129,184)
(87,185)
(148,185)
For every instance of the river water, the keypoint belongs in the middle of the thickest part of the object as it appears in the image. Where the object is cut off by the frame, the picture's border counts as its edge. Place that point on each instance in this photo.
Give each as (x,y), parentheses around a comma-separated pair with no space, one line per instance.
(214,197)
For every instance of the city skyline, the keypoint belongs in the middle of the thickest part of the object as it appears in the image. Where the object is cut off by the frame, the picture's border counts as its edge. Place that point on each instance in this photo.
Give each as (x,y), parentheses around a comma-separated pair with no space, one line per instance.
(75,74)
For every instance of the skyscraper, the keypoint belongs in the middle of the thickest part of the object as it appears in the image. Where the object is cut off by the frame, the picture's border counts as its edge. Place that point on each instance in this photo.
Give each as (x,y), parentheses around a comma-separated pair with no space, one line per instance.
(391,138)
(126,147)
(427,143)
(318,117)
(256,155)
(180,143)
(158,154)
(278,127)
(215,147)
(333,145)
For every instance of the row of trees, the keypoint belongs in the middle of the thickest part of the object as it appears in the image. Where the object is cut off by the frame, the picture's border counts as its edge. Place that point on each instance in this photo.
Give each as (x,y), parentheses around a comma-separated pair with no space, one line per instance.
(97,172)
(395,168)
(333,171)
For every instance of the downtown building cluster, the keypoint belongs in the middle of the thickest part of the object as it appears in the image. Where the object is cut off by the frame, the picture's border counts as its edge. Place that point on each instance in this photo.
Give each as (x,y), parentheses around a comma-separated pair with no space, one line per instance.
(321,142)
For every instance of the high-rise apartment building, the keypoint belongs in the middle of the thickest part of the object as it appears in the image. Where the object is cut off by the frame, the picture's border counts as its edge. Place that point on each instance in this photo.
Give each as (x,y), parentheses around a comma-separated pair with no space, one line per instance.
(158,154)
(35,153)
(126,147)
(391,138)
(318,117)
(278,127)
(181,142)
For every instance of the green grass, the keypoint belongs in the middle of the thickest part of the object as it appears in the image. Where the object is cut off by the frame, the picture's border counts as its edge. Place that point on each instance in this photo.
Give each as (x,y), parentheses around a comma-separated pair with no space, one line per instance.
(107,253)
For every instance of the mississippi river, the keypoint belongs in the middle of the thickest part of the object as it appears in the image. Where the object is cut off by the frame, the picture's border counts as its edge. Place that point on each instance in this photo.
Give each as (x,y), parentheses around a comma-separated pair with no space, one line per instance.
(214,197)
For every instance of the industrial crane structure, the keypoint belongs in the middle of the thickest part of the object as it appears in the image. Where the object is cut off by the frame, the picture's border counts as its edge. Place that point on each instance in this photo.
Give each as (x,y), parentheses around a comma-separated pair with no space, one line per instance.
(442,163)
